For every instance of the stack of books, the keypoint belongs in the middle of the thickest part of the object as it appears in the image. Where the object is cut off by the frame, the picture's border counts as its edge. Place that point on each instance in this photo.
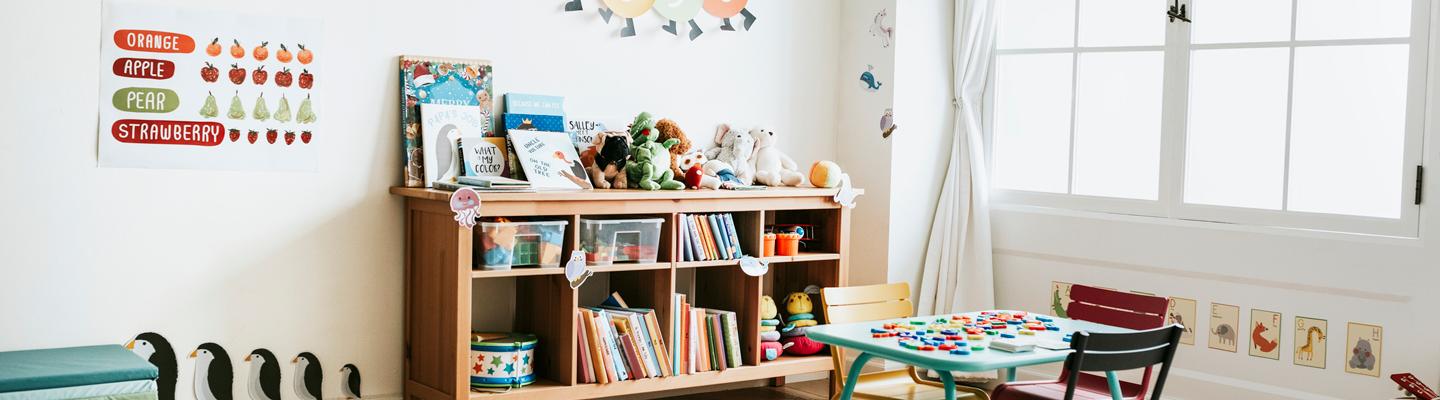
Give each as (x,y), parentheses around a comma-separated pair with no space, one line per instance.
(620,343)
(707,339)
(485,183)
(707,237)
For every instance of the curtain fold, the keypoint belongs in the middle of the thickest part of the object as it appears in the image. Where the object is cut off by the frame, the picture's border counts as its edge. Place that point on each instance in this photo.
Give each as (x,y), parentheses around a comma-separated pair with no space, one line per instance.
(958,274)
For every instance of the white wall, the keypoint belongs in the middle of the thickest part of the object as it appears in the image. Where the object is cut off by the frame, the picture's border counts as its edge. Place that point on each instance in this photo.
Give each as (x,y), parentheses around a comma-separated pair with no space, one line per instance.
(312,261)
(862,152)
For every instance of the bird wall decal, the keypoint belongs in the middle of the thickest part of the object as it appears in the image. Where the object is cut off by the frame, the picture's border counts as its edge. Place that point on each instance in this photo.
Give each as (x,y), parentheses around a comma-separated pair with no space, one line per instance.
(308,376)
(157,350)
(264,383)
(214,377)
(350,381)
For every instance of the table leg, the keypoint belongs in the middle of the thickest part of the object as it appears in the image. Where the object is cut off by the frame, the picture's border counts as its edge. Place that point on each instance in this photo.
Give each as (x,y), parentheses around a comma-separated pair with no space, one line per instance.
(854,376)
(1114,385)
(1010,374)
(949,384)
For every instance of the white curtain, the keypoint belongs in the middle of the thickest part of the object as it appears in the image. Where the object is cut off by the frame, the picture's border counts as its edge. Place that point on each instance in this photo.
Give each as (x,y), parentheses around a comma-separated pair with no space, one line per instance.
(958,273)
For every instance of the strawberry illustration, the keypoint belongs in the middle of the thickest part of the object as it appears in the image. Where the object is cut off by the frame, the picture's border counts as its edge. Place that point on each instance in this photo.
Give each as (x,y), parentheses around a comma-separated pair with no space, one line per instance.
(283,78)
(253,136)
(237,74)
(271,135)
(234,134)
(305,137)
(306,79)
(289,137)
(259,75)
(209,73)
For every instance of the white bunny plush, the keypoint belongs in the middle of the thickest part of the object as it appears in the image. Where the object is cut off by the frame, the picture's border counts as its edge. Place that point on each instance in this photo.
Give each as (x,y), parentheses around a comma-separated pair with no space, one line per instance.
(772,167)
(734,147)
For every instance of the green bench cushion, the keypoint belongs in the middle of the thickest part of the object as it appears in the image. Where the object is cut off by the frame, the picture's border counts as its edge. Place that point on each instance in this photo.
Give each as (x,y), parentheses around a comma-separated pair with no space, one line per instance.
(72,366)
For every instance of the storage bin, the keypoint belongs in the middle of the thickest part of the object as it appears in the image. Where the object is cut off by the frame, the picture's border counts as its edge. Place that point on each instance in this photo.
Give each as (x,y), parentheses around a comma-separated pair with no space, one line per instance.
(769,250)
(607,241)
(502,360)
(787,244)
(507,244)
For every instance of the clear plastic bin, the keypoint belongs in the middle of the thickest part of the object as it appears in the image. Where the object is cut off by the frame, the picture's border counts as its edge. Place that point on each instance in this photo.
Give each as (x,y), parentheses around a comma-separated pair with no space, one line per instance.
(608,241)
(507,244)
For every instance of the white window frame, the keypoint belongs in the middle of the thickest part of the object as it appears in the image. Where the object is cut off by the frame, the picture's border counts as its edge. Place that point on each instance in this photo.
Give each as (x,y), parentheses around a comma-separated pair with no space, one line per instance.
(1174,124)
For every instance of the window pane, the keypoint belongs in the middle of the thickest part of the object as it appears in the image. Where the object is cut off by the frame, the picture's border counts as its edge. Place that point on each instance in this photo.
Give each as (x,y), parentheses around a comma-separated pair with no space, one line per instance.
(1032,122)
(1027,24)
(1352,19)
(1347,137)
(1122,22)
(1235,147)
(1235,21)
(1117,125)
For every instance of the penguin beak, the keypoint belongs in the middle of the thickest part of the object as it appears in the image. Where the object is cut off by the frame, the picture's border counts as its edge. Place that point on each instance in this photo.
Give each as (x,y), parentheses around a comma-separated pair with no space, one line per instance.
(130,345)
(295,360)
(247,357)
(193,353)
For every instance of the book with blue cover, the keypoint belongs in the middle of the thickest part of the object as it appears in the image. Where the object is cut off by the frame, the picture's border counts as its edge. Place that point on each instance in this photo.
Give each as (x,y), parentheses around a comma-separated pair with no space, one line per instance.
(534,122)
(539,104)
(430,80)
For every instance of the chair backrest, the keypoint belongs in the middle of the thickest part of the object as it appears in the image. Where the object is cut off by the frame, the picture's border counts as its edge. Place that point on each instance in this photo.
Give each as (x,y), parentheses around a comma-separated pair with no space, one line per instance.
(866,303)
(1115,308)
(860,304)
(1123,351)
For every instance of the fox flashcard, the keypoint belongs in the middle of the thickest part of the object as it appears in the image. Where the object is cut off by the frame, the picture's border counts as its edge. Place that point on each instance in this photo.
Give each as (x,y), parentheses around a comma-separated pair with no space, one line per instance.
(1182,311)
(1310,341)
(1224,319)
(1362,348)
(1265,334)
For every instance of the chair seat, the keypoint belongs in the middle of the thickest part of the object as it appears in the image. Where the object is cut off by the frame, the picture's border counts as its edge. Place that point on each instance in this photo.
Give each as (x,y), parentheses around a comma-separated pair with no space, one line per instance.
(1088,387)
(898,385)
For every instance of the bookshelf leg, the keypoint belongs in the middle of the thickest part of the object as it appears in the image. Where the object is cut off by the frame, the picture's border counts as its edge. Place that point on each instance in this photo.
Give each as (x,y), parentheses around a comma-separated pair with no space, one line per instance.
(777,381)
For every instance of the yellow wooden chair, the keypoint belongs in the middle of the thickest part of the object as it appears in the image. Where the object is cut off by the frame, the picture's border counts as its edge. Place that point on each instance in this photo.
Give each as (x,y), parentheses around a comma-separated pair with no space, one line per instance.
(873,303)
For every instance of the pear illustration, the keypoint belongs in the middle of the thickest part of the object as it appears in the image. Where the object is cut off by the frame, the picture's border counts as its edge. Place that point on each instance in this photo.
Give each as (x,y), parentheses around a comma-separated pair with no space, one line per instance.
(305,115)
(261,111)
(237,110)
(282,112)
(210,110)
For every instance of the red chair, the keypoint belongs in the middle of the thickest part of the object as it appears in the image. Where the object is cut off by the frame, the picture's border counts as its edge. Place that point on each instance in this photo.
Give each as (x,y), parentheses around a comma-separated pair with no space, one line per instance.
(1109,307)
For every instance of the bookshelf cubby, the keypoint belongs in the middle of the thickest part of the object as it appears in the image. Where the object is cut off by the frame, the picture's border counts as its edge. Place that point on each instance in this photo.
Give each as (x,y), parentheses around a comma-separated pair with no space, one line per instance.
(448,295)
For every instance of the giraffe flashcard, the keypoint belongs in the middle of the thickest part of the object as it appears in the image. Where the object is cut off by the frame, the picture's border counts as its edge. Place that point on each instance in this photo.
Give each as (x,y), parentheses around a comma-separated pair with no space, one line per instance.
(1310,342)
(1362,348)
(1265,334)
(1224,319)
(1182,311)
(1060,298)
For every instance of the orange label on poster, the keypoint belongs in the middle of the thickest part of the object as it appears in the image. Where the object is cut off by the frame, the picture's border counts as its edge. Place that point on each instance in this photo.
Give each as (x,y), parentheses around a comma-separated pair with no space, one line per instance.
(154,41)
(192,133)
(143,68)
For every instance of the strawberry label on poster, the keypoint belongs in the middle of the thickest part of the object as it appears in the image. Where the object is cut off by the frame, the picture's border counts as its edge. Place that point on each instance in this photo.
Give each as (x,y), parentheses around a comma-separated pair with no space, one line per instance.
(191,88)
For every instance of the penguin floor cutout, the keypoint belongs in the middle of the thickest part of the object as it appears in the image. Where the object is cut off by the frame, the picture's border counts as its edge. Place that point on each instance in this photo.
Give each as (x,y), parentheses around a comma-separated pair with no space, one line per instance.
(214,375)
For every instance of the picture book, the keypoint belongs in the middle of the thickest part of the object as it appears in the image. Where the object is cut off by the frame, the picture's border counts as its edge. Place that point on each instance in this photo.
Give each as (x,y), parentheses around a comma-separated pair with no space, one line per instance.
(534,122)
(484,156)
(443,127)
(523,103)
(427,80)
(549,160)
(582,130)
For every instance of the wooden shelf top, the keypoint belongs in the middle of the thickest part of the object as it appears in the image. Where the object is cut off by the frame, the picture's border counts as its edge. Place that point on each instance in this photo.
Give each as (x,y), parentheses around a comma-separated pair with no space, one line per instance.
(625,194)
(543,389)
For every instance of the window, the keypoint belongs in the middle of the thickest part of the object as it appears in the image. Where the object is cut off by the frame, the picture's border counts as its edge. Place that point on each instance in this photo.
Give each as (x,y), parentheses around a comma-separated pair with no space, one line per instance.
(1293,113)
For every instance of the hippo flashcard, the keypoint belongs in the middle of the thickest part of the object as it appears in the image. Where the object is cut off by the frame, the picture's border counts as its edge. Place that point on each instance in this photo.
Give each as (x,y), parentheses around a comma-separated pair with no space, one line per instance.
(1362,348)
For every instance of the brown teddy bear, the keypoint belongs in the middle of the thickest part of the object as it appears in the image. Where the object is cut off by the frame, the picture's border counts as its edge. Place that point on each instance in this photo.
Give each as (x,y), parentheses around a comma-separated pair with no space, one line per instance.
(668,130)
(611,152)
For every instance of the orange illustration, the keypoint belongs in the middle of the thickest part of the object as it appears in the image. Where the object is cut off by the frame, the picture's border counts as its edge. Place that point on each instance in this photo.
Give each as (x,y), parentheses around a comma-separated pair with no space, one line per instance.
(305,56)
(236,50)
(261,52)
(283,55)
(214,48)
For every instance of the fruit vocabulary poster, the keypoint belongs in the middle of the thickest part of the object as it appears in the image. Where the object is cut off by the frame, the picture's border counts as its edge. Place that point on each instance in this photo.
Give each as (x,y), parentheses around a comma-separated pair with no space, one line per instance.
(195,89)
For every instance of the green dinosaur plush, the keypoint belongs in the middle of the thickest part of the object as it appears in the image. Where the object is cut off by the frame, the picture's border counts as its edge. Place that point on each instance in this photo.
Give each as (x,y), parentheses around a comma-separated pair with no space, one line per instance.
(649,166)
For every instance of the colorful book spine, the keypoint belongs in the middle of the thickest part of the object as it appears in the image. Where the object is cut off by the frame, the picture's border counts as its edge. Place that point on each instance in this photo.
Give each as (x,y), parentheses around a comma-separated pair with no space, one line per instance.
(736,250)
(534,122)
(617,353)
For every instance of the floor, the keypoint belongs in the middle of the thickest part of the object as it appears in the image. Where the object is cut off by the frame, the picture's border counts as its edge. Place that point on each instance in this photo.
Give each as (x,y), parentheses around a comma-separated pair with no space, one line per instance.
(808,390)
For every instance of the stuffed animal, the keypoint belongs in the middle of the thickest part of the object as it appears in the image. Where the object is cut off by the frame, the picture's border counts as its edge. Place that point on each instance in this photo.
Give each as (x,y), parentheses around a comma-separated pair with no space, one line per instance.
(825,174)
(695,177)
(772,167)
(798,308)
(612,151)
(734,148)
(770,346)
(670,130)
(724,172)
(649,166)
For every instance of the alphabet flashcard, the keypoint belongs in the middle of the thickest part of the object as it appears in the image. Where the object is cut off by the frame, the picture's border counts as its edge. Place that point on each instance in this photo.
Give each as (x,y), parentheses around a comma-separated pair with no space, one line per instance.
(1310,341)
(1182,311)
(1362,348)
(1224,319)
(1265,334)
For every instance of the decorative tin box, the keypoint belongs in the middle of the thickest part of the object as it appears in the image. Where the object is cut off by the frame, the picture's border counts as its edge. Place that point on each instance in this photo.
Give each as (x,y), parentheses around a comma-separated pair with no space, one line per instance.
(502,360)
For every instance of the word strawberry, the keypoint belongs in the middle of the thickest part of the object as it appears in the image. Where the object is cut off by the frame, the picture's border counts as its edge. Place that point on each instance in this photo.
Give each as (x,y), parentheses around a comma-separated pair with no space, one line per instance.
(283,78)
(237,74)
(259,75)
(260,52)
(253,136)
(305,137)
(306,79)
(209,73)
(271,135)
(236,50)
(289,137)
(234,134)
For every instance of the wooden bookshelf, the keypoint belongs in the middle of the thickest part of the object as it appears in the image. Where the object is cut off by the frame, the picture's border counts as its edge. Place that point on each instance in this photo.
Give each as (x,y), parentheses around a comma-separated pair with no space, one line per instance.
(443,304)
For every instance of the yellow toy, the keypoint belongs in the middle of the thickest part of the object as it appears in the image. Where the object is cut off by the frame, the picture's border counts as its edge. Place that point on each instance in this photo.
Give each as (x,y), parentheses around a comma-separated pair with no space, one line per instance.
(767,308)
